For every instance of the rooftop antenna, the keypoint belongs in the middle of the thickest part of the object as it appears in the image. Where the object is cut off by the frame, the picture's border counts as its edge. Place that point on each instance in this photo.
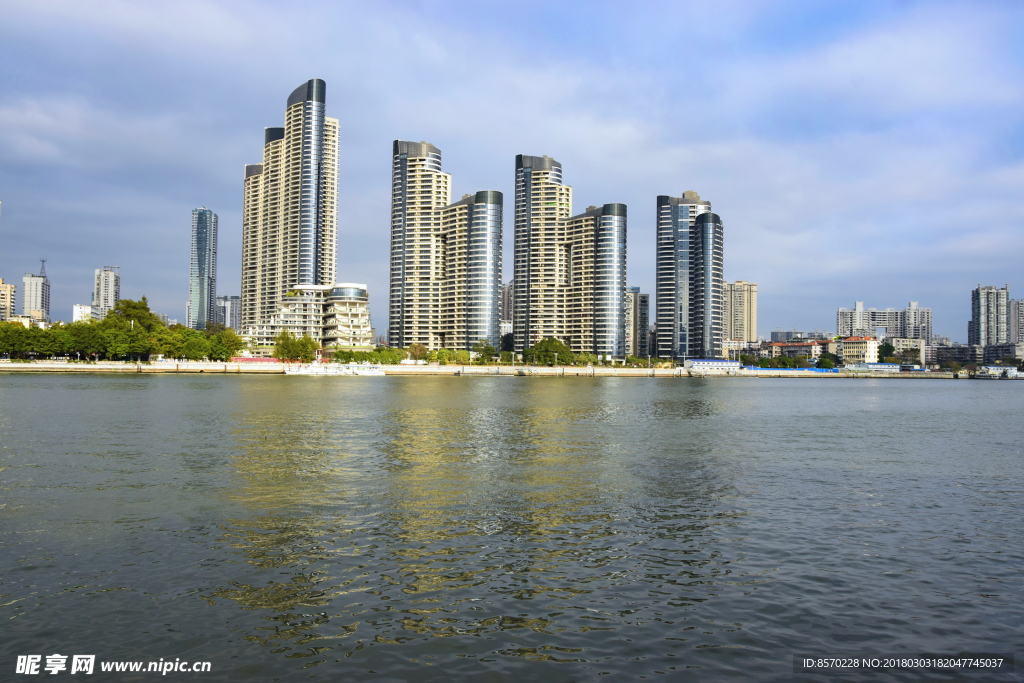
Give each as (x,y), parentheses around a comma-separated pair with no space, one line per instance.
(42,268)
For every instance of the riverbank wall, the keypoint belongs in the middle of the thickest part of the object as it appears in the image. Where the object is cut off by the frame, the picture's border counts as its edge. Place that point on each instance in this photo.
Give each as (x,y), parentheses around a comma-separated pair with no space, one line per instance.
(171,367)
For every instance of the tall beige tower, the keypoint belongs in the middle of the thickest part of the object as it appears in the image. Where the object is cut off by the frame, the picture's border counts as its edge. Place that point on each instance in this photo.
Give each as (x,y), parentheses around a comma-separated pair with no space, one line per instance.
(740,311)
(290,208)
(541,260)
(419,191)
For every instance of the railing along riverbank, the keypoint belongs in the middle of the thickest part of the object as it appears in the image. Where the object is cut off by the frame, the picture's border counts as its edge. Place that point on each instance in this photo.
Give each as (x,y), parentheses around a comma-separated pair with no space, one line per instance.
(188,367)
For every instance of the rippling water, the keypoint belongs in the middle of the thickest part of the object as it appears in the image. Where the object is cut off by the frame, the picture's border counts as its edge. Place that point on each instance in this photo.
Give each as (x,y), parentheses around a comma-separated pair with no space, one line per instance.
(557,529)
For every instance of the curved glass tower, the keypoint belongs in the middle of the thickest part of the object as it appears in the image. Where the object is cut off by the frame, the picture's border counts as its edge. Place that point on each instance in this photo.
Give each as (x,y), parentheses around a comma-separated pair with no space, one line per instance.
(707,286)
(202,284)
(290,208)
(610,281)
(675,217)
(483,269)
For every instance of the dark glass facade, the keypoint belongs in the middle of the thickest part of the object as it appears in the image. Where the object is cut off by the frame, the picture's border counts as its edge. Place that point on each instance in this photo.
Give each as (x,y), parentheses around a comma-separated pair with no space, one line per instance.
(707,284)
(202,290)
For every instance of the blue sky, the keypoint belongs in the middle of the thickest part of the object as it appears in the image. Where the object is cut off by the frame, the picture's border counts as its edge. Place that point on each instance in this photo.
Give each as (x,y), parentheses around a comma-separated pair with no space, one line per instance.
(855,151)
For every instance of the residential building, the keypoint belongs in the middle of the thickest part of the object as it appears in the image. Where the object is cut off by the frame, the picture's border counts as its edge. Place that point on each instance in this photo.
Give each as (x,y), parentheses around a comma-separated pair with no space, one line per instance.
(855,350)
(733,348)
(636,322)
(994,352)
(796,349)
(290,209)
(740,318)
(989,322)
(35,296)
(592,294)
(202,283)
(901,344)
(81,312)
(675,221)
(228,310)
(541,261)
(468,271)
(106,290)
(505,305)
(419,190)
(912,322)
(964,354)
(337,316)
(8,294)
(1015,321)
(706,286)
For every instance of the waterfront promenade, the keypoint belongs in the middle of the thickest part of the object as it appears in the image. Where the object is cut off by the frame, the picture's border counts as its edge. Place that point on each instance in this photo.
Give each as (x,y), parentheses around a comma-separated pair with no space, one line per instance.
(185,367)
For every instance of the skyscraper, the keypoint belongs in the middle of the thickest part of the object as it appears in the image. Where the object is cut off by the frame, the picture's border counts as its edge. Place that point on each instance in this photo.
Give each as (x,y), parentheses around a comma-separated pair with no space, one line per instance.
(541,261)
(706,286)
(989,322)
(202,283)
(469,271)
(290,209)
(35,296)
(106,291)
(419,190)
(1016,321)
(740,318)
(505,309)
(675,221)
(592,295)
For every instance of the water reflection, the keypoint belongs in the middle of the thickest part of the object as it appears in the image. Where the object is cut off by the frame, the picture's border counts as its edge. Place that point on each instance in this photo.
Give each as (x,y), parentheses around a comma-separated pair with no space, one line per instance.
(493,507)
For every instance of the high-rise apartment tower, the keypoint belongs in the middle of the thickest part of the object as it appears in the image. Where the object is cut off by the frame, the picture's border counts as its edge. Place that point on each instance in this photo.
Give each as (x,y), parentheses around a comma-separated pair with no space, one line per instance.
(989,322)
(8,294)
(740,318)
(290,207)
(419,190)
(707,283)
(106,290)
(229,311)
(675,221)
(541,262)
(202,283)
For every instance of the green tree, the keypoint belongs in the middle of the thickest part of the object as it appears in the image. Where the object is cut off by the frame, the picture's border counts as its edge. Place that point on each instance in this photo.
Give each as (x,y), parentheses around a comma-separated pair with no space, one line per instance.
(286,346)
(548,352)
(417,351)
(886,351)
(828,360)
(484,351)
(307,348)
(443,356)
(508,342)
(506,357)
(462,357)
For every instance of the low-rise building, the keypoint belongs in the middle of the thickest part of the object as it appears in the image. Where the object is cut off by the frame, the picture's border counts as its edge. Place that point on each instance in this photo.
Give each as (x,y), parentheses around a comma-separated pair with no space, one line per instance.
(81,312)
(336,316)
(854,350)
(873,367)
(994,352)
(964,354)
(710,364)
(901,344)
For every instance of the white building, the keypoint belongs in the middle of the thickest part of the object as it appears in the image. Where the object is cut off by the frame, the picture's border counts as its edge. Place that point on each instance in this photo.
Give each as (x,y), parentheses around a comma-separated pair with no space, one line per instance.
(912,322)
(335,316)
(106,290)
(81,312)
(35,297)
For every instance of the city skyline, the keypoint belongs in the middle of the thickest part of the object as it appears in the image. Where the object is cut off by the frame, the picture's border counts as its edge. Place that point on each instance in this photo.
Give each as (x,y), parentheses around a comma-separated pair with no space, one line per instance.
(873,197)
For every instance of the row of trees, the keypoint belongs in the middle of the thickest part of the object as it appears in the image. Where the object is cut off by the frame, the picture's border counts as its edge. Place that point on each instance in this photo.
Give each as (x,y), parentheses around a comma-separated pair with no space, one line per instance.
(129,332)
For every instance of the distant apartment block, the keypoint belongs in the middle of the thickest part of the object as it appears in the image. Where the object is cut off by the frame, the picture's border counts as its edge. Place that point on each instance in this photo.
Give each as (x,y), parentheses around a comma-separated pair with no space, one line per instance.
(912,322)
(228,310)
(989,323)
(106,290)
(35,297)
(637,322)
(8,299)
(740,318)
(901,345)
(505,305)
(202,282)
(335,315)
(1016,321)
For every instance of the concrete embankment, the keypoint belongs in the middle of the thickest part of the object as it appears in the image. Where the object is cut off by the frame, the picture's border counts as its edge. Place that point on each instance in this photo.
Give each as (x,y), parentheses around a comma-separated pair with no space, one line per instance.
(170,367)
